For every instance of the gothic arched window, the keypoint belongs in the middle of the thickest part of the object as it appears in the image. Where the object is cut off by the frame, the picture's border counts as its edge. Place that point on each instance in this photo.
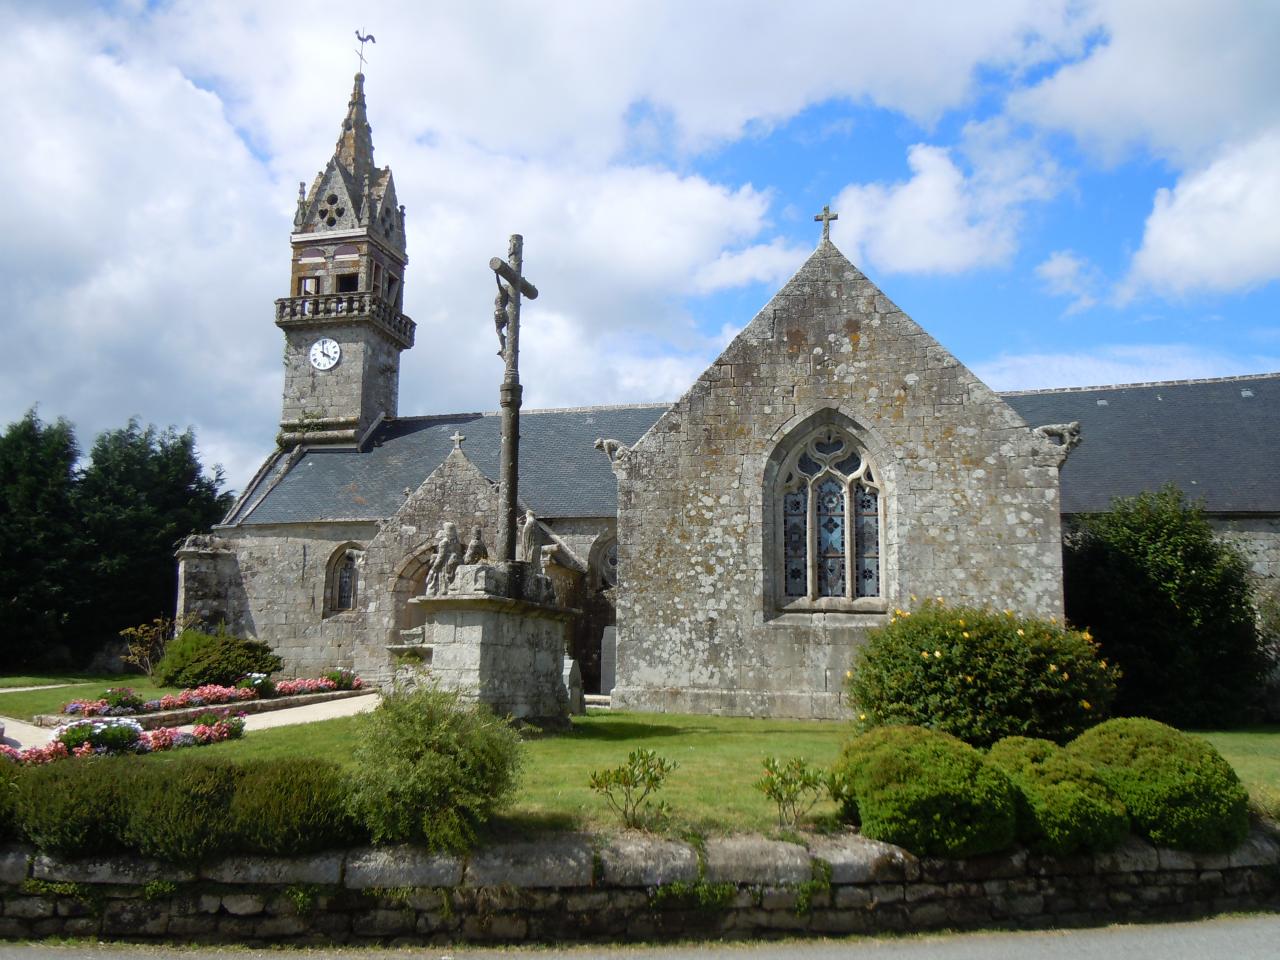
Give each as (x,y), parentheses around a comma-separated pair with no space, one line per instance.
(829,507)
(342,580)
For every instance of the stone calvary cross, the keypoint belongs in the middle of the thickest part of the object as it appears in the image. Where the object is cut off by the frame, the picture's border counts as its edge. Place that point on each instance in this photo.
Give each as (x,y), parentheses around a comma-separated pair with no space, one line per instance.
(506,319)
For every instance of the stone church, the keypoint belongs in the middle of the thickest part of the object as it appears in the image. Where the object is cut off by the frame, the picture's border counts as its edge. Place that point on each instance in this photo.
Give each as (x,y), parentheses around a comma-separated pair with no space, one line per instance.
(724,553)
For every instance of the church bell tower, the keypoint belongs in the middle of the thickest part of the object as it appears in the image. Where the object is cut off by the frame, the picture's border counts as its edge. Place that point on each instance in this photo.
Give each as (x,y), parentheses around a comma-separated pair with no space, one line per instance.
(343,324)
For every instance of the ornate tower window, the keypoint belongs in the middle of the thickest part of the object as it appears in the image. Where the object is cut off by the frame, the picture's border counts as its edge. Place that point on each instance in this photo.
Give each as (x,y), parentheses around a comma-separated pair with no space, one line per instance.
(830,514)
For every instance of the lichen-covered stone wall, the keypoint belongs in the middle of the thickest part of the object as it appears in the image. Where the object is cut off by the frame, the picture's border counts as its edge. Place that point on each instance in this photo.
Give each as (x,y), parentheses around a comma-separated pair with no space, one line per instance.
(624,887)
(269,582)
(970,502)
(395,562)
(1258,538)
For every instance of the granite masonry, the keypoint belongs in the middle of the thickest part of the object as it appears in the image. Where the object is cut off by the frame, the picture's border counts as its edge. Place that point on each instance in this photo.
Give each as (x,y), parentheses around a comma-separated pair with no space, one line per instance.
(833,463)
(579,887)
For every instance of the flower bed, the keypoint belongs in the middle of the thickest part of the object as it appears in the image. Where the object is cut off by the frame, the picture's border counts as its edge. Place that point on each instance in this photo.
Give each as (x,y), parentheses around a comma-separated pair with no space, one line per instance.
(122,701)
(90,738)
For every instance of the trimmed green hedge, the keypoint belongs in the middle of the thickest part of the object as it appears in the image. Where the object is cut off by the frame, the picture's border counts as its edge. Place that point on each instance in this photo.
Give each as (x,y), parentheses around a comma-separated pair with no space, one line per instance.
(292,806)
(928,792)
(980,675)
(1064,806)
(8,800)
(184,812)
(1179,790)
(75,807)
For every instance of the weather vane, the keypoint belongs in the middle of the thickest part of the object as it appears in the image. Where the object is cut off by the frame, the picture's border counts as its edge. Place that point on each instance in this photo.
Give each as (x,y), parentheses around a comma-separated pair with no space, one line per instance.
(363,40)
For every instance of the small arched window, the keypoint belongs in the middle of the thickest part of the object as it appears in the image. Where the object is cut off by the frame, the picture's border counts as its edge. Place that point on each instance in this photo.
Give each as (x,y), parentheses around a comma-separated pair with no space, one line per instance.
(828,505)
(343,580)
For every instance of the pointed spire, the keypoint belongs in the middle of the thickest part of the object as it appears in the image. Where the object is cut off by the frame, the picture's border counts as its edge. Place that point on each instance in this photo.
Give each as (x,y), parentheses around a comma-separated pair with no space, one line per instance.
(355,144)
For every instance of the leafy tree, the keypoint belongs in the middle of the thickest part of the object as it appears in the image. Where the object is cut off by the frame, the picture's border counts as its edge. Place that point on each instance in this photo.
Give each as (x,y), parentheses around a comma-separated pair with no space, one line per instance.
(142,492)
(1172,605)
(39,537)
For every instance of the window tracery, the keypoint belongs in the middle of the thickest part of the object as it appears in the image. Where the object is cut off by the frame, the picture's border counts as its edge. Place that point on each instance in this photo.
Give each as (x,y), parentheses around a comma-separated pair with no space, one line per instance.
(831,520)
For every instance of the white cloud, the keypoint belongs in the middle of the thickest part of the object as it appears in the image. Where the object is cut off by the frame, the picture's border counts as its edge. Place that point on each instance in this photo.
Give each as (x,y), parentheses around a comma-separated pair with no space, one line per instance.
(1133,363)
(1176,78)
(560,79)
(941,219)
(1217,230)
(138,276)
(1064,274)
(771,262)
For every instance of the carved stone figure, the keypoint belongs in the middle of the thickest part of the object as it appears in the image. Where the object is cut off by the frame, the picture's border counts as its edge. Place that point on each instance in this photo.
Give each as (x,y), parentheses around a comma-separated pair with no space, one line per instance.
(527,545)
(500,317)
(476,550)
(445,564)
(1062,434)
(615,450)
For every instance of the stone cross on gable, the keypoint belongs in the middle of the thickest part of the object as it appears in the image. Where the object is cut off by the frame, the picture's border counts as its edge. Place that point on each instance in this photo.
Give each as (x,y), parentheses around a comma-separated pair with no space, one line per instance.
(826,216)
(457,439)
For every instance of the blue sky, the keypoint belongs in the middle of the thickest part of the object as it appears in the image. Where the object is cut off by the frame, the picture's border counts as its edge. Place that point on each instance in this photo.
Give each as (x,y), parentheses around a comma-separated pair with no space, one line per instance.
(1062,192)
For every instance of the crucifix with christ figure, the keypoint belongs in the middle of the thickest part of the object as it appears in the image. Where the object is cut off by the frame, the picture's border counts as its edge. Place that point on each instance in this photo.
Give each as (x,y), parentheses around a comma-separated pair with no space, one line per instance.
(506,317)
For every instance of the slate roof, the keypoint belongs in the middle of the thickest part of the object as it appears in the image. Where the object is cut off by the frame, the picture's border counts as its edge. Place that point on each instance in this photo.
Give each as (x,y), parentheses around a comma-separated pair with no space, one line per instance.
(1216,439)
(561,472)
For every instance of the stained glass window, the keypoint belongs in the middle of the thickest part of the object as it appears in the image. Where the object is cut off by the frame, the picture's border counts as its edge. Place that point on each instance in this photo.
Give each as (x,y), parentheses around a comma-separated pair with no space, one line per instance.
(866,539)
(346,592)
(795,525)
(830,520)
(831,532)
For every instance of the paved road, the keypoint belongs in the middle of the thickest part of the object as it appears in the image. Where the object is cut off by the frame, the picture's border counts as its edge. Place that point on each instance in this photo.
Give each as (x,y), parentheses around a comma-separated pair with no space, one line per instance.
(1237,938)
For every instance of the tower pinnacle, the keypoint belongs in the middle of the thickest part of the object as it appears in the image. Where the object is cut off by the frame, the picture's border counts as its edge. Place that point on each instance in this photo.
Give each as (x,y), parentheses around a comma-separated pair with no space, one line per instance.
(355,144)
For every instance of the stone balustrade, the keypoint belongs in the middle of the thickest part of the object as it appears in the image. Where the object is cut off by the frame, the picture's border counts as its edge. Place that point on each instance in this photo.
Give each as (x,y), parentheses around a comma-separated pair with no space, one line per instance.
(320,308)
(630,886)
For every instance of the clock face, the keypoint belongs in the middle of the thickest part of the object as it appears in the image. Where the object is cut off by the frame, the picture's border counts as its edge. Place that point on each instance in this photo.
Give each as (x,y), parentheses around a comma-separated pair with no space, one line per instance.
(325,353)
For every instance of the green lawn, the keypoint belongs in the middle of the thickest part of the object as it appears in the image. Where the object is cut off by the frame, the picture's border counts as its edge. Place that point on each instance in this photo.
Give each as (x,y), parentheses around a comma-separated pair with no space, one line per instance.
(45,679)
(711,790)
(719,759)
(25,705)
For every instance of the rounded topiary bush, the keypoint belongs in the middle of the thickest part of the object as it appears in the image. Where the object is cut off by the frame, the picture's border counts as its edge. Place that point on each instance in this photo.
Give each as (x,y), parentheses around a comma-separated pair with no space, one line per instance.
(194,658)
(431,768)
(925,791)
(1063,806)
(290,806)
(980,675)
(1177,788)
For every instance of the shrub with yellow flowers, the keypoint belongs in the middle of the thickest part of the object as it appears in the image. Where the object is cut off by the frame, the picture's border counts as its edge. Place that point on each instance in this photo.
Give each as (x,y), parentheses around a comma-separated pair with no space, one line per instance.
(980,675)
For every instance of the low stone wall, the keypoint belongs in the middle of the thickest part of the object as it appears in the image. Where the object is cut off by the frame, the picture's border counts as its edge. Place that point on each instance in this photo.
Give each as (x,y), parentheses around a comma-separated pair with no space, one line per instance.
(630,886)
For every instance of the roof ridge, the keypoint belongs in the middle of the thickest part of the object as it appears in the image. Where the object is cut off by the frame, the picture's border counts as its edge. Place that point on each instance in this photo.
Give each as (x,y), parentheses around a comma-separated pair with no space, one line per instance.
(1141,383)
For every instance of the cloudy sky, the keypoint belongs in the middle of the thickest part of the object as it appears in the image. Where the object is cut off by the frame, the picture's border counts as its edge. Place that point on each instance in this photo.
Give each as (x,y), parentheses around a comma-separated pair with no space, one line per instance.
(1063,193)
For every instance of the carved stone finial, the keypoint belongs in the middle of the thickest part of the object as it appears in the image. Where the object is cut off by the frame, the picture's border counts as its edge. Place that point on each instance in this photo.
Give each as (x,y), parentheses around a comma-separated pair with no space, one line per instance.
(615,450)
(826,216)
(457,439)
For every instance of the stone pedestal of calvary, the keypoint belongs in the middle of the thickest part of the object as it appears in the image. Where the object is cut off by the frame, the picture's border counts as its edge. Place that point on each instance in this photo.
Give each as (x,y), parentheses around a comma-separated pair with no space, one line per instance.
(493,630)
